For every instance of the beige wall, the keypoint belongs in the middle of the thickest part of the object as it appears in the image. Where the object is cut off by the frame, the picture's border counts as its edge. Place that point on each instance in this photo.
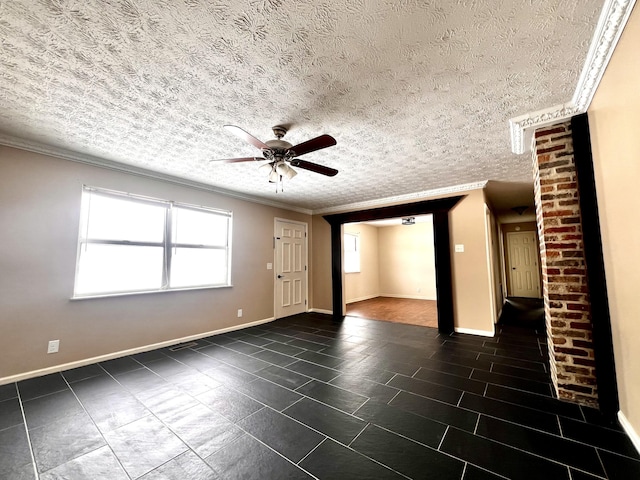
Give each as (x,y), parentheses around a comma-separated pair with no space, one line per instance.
(614,118)
(39,214)
(470,270)
(365,283)
(407,261)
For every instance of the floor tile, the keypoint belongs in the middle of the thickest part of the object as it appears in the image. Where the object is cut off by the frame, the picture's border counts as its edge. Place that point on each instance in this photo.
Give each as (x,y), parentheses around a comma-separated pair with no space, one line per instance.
(120,365)
(269,393)
(144,445)
(150,356)
(313,370)
(248,459)
(283,377)
(8,391)
(426,389)
(274,358)
(229,375)
(187,466)
(285,349)
(405,456)
(510,412)
(521,373)
(10,413)
(100,464)
(531,400)
(538,366)
(320,359)
(453,381)
(233,405)
(512,382)
(193,382)
(307,345)
(594,417)
(202,429)
(500,459)
(65,439)
(15,455)
(332,461)
(336,397)
(37,387)
(277,337)
(405,423)
(82,373)
(600,437)
(328,420)
(258,341)
(284,435)
(114,410)
(140,380)
(168,367)
(472,472)
(435,410)
(365,387)
(164,401)
(242,347)
(47,409)
(552,447)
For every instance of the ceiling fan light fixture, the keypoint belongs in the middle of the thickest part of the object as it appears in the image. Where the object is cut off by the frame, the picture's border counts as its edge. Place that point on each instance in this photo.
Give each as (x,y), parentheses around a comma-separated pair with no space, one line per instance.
(285,170)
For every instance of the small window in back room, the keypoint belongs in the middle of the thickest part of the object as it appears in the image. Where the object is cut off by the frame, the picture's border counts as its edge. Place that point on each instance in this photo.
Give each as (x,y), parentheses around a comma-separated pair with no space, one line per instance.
(133,244)
(351,253)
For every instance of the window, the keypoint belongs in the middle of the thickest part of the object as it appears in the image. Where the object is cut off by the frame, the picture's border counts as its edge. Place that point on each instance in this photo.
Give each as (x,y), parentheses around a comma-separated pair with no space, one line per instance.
(351,253)
(131,244)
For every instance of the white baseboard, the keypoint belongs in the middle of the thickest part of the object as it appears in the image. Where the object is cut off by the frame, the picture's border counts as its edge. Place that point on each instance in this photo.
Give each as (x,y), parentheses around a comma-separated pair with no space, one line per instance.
(410,297)
(123,353)
(470,331)
(320,310)
(361,299)
(628,428)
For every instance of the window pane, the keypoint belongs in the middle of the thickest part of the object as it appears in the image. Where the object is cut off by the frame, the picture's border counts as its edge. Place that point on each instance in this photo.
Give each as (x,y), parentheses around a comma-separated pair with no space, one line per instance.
(192,267)
(123,219)
(199,227)
(118,268)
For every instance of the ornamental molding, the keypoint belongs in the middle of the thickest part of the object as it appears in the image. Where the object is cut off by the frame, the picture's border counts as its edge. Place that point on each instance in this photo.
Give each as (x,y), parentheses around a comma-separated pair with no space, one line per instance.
(64,154)
(613,19)
(399,199)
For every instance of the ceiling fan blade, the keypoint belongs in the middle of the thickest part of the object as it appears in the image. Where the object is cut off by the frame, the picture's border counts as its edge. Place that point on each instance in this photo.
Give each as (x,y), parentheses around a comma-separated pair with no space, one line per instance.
(247,137)
(314,167)
(323,141)
(234,160)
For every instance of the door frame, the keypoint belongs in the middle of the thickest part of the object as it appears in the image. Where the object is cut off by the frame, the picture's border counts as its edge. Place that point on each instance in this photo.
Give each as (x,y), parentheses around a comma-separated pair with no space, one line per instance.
(439,208)
(508,266)
(305,259)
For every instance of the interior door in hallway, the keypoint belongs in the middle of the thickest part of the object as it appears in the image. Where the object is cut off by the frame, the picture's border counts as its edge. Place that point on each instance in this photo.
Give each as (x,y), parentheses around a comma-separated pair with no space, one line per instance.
(290,268)
(523,267)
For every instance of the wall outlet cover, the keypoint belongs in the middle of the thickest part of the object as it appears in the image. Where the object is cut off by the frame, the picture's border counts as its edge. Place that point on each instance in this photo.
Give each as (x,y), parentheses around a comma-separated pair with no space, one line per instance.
(239,312)
(459,248)
(54,346)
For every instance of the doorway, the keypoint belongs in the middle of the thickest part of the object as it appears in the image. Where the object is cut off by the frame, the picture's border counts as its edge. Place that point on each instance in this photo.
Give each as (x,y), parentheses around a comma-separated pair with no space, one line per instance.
(290,267)
(389,270)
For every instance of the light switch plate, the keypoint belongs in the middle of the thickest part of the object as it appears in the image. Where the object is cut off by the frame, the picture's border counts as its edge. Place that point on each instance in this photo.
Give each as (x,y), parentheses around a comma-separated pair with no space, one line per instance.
(459,248)
(269,266)
(54,346)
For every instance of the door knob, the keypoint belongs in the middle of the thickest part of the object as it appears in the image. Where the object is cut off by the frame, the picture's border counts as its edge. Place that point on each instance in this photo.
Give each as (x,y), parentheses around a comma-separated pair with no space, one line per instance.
(280,276)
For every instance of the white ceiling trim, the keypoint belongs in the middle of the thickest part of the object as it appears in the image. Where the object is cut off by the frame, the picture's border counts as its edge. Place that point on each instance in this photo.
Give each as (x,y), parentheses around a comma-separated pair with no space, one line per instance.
(410,197)
(31,146)
(614,17)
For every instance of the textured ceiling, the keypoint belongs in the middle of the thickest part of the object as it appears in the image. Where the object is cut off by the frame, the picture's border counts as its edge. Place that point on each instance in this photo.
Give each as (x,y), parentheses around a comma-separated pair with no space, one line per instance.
(417,93)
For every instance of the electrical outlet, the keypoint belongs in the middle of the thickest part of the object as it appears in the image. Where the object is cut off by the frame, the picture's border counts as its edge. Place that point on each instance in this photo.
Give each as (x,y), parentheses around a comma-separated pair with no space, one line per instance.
(54,346)
(239,312)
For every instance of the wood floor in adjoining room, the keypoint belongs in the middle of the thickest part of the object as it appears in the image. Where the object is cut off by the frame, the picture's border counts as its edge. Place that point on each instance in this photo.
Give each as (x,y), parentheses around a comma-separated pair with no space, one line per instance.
(399,310)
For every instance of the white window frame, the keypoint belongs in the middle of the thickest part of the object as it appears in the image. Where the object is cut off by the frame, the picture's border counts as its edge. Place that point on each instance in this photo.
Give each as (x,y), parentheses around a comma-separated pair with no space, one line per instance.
(352,258)
(168,244)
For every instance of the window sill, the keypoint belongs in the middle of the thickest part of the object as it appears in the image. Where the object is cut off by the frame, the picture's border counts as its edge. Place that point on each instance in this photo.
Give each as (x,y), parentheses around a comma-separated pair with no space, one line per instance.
(146,292)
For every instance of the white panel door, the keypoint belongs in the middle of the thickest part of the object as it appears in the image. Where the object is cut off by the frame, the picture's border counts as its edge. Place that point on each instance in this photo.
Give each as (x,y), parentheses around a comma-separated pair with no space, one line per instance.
(290,268)
(523,264)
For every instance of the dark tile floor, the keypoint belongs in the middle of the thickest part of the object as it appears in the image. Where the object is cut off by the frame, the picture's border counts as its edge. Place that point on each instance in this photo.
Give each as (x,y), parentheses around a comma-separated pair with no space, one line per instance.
(304,397)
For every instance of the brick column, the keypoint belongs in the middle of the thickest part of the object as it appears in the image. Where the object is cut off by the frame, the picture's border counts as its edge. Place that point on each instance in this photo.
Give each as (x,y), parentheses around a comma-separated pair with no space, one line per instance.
(566,295)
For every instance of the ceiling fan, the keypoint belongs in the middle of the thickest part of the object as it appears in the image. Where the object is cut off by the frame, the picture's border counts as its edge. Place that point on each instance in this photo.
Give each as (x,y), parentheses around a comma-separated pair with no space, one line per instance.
(280,154)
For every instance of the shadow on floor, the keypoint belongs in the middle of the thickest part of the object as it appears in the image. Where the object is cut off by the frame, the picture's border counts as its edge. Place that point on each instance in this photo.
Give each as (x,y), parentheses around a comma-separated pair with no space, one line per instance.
(523,312)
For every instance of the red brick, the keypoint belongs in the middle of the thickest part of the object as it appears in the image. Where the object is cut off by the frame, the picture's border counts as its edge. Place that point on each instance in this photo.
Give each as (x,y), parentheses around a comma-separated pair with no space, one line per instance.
(555,148)
(551,131)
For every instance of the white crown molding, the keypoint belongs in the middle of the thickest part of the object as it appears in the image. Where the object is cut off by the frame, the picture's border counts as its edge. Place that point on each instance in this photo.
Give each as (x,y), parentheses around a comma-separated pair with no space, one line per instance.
(402,198)
(613,18)
(57,152)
